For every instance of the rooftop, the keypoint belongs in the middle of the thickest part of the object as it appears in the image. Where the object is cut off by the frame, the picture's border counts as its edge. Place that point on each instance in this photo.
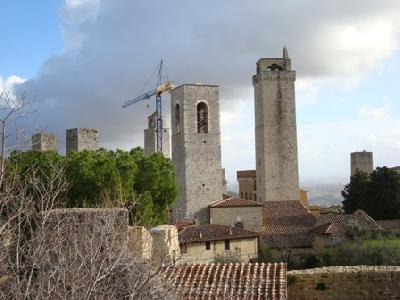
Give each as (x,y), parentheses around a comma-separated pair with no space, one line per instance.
(246,174)
(229,281)
(212,232)
(231,201)
(342,221)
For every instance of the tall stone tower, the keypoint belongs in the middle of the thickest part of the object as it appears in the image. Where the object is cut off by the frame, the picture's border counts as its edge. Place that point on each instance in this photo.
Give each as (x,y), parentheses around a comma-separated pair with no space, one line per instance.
(44,142)
(196,149)
(361,161)
(78,139)
(150,137)
(276,136)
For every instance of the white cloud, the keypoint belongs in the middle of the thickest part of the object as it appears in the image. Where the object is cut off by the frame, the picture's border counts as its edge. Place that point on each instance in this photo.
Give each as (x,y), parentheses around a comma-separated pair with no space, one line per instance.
(375,113)
(9,84)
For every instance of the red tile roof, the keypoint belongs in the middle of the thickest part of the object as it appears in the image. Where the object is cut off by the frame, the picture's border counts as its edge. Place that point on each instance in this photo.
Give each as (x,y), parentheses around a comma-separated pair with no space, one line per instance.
(287,224)
(328,228)
(343,221)
(212,232)
(229,281)
(230,201)
(246,174)
(389,224)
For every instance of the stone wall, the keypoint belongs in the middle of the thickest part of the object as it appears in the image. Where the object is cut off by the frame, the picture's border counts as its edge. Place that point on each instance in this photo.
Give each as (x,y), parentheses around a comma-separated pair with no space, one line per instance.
(358,282)
(250,217)
(275,130)
(165,244)
(79,139)
(196,156)
(140,242)
(150,137)
(44,142)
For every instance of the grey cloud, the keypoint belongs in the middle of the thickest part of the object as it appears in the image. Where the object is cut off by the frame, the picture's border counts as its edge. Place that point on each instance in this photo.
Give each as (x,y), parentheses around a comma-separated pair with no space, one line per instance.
(214,42)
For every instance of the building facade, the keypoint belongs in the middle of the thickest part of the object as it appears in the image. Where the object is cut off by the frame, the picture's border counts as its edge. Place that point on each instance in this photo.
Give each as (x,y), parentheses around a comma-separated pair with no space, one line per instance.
(79,139)
(196,149)
(275,130)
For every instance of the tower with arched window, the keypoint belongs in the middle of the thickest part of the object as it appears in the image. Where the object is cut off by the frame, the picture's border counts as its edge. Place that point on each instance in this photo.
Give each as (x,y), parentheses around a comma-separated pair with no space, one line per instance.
(196,149)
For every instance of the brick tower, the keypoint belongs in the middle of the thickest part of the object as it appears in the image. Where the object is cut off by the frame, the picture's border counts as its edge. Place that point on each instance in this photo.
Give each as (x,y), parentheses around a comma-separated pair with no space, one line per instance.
(275,132)
(196,149)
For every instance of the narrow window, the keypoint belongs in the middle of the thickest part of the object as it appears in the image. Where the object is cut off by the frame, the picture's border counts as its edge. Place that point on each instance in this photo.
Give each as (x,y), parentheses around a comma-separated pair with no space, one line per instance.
(250,196)
(227,245)
(177,118)
(245,195)
(208,245)
(202,118)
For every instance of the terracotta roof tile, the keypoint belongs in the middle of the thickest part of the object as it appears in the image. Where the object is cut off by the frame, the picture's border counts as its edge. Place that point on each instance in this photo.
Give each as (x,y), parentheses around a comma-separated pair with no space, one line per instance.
(229,281)
(212,232)
(287,224)
(342,221)
(328,228)
(230,201)
(389,224)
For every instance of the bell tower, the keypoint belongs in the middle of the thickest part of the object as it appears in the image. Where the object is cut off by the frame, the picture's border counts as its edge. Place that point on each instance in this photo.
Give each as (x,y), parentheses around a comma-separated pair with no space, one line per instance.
(196,149)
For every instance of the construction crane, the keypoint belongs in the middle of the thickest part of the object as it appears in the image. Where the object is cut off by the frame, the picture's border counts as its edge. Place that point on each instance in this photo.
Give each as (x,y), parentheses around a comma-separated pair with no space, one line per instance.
(161,88)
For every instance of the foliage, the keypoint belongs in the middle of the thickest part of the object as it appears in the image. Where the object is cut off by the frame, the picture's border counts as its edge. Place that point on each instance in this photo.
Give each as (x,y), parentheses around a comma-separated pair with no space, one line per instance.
(145,185)
(378,194)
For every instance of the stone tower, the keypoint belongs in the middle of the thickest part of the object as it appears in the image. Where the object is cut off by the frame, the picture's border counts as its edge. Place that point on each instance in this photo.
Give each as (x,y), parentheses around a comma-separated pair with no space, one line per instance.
(196,149)
(361,161)
(44,142)
(277,175)
(78,139)
(150,137)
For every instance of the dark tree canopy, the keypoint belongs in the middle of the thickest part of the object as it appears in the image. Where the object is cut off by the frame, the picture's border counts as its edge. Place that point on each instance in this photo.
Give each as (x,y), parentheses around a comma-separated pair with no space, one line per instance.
(146,185)
(378,193)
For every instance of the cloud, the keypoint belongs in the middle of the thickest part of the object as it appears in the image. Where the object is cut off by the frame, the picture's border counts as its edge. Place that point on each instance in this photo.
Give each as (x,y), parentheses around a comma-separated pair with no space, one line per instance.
(111,48)
(375,113)
(9,84)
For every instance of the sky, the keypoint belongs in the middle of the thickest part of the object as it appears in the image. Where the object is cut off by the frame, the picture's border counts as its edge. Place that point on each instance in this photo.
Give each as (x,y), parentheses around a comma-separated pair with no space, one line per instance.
(80,59)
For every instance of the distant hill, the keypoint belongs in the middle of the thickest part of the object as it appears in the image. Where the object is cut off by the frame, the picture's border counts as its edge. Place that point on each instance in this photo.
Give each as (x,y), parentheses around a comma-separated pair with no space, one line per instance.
(318,194)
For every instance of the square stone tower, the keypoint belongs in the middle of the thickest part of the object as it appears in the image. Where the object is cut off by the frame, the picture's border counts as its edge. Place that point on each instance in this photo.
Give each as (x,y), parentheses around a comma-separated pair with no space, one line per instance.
(275,132)
(150,137)
(196,149)
(44,142)
(78,139)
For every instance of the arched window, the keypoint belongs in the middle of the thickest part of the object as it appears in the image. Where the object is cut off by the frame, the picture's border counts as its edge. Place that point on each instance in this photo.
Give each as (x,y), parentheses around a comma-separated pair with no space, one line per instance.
(202,118)
(177,118)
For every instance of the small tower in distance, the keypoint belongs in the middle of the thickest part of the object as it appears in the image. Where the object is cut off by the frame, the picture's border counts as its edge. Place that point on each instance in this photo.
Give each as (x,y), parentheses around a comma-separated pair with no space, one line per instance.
(150,137)
(361,161)
(44,142)
(196,149)
(277,175)
(79,139)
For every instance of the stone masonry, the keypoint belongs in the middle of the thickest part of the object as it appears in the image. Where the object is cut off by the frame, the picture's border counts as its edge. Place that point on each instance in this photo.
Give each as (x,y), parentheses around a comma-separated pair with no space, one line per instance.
(196,156)
(79,139)
(44,142)
(250,216)
(165,248)
(275,130)
(361,161)
(355,282)
(150,137)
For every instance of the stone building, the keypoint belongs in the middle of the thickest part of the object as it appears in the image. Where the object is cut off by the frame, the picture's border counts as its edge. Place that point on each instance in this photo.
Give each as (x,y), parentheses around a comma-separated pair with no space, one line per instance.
(275,130)
(150,137)
(44,142)
(79,139)
(196,149)
(361,161)
(165,248)
(240,213)
(207,243)
(140,242)
(248,186)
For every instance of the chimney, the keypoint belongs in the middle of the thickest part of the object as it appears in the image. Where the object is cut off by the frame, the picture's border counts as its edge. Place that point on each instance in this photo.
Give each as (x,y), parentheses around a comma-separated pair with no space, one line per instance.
(230,230)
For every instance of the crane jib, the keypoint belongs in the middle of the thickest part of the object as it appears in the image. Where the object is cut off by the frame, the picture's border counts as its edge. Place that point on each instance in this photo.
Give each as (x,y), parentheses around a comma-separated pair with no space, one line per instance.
(144,96)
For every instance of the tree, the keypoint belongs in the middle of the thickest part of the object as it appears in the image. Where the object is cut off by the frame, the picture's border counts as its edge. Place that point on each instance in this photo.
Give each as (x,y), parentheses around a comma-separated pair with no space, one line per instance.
(11,109)
(384,192)
(378,194)
(355,193)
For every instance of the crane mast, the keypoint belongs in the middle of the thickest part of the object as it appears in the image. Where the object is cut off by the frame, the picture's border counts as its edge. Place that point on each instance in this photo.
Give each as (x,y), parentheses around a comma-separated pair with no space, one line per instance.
(161,88)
